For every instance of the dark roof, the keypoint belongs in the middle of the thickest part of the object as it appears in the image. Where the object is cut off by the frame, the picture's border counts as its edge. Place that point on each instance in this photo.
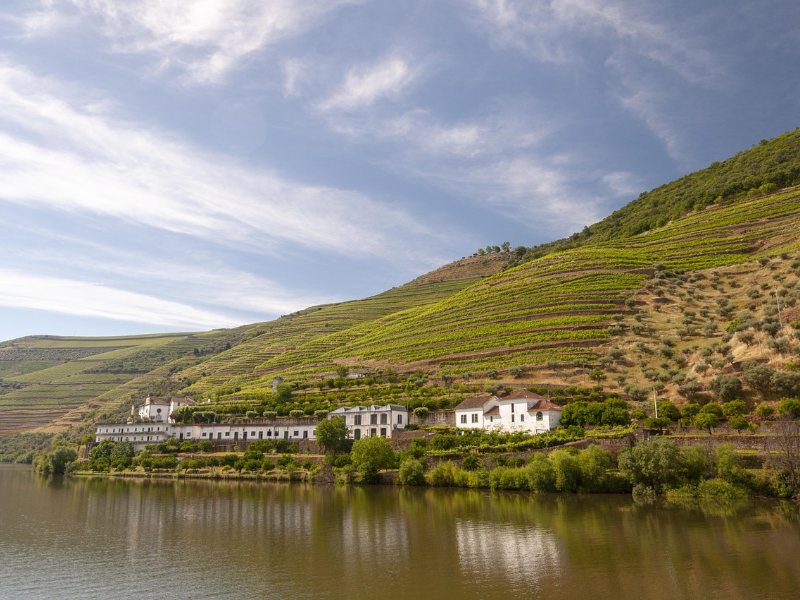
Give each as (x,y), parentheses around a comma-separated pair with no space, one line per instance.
(495,410)
(477,402)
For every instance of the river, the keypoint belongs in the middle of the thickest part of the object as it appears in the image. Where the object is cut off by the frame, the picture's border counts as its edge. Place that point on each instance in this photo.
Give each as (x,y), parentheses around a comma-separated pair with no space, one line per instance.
(95,538)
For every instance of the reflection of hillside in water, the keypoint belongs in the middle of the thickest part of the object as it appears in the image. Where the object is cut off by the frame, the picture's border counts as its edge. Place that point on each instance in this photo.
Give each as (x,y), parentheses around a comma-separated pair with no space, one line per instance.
(520,552)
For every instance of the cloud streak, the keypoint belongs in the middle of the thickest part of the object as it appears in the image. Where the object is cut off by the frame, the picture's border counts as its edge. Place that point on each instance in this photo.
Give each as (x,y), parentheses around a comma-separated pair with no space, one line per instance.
(205,39)
(62,150)
(364,85)
(72,297)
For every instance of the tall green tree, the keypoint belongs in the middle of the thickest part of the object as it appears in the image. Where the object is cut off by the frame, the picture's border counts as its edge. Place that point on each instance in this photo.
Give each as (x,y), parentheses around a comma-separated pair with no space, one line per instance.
(370,455)
(332,435)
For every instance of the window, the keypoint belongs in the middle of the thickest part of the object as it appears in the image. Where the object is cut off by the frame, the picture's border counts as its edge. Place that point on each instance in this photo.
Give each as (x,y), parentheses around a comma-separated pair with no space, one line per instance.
(383,418)
(296,434)
(399,419)
(512,416)
(539,416)
(373,419)
(383,431)
(522,417)
(463,418)
(373,432)
(205,434)
(305,434)
(219,435)
(227,434)
(253,433)
(357,420)
(512,408)
(475,417)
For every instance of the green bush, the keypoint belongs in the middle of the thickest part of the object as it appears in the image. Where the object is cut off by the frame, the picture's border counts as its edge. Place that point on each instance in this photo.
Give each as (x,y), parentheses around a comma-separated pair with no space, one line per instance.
(471,463)
(789,407)
(412,472)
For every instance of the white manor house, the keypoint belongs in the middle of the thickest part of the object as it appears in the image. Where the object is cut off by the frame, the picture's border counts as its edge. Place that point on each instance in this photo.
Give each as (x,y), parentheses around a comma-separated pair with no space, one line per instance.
(521,411)
(151,423)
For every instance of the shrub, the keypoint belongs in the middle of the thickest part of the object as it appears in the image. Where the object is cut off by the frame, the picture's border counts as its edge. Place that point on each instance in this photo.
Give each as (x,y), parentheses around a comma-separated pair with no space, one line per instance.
(443,474)
(718,488)
(734,408)
(370,455)
(789,407)
(690,410)
(471,463)
(651,464)
(764,411)
(739,423)
(412,472)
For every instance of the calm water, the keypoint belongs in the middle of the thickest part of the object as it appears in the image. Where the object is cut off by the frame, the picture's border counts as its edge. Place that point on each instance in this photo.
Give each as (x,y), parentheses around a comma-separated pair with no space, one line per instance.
(96,538)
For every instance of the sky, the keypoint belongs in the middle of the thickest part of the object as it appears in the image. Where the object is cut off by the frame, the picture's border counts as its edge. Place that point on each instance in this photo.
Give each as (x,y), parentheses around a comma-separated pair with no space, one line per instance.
(181,165)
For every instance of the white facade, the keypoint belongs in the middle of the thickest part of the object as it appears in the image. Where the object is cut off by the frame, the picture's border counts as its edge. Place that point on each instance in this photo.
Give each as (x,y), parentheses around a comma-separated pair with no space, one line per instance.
(177,403)
(470,414)
(142,434)
(521,411)
(362,422)
(371,421)
(155,409)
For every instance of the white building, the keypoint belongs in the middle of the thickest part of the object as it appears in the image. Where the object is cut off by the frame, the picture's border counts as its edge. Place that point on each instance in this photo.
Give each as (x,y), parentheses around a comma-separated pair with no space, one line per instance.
(371,421)
(520,411)
(154,409)
(470,413)
(362,421)
(178,403)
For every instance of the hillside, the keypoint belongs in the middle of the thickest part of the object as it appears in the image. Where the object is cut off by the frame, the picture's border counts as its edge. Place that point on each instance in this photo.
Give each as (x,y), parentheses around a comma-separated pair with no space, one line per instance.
(565,307)
(49,383)
(764,168)
(669,291)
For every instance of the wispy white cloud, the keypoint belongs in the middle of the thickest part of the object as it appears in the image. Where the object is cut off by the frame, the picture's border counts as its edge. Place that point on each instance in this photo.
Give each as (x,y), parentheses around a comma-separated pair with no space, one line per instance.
(65,151)
(366,84)
(533,189)
(66,296)
(553,31)
(631,39)
(203,38)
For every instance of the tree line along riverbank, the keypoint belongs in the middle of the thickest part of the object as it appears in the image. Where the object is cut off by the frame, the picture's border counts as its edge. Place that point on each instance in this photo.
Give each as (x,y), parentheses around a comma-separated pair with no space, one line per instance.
(563,461)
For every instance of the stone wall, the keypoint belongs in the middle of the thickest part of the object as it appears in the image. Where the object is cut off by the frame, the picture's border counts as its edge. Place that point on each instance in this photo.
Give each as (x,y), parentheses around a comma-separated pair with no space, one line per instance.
(436,417)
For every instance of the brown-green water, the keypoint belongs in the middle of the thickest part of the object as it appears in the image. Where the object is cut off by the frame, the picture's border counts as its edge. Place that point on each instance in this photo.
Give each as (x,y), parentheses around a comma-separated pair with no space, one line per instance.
(105,538)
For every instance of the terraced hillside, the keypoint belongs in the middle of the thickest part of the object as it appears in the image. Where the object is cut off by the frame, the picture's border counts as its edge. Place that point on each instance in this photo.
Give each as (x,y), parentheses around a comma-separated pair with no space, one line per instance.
(55,381)
(50,383)
(252,360)
(561,307)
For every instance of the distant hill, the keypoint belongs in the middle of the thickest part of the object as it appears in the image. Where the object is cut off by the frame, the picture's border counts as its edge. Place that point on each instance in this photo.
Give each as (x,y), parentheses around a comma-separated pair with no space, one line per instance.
(678,286)
(49,383)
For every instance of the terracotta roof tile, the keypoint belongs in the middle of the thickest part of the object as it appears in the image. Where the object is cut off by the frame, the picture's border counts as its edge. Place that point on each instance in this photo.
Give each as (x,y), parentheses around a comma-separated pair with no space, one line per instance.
(544,405)
(477,402)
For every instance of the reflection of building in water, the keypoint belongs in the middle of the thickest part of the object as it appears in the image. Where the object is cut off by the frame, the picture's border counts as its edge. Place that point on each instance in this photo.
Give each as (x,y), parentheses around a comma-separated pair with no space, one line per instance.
(372,537)
(493,549)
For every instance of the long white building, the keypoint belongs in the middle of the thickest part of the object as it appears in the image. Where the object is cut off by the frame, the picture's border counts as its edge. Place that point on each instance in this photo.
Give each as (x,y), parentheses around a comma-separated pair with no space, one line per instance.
(520,411)
(362,421)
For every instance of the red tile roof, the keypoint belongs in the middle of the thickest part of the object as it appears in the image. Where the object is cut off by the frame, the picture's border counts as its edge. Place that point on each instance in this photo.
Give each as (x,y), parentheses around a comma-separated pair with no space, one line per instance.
(544,405)
(477,402)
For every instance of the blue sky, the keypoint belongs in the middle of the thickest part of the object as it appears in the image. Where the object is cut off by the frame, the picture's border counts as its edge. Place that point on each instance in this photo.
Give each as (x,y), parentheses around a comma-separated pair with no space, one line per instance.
(184,165)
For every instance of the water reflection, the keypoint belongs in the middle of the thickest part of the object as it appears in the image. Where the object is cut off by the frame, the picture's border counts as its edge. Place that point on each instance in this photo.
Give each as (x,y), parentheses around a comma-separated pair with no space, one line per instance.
(95,538)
